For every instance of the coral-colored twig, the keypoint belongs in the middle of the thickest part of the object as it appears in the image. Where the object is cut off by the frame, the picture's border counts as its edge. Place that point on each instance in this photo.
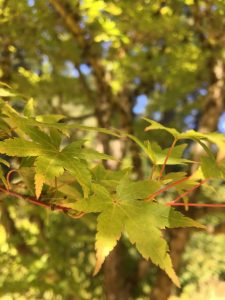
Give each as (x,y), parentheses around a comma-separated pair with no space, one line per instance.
(213,205)
(190,190)
(167,157)
(169,186)
(33,200)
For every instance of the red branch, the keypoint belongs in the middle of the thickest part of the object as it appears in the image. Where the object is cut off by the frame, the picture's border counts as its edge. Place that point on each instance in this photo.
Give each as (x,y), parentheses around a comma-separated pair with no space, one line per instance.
(190,190)
(169,186)
(69,211)
(50,206)
(167,157)
(215,205)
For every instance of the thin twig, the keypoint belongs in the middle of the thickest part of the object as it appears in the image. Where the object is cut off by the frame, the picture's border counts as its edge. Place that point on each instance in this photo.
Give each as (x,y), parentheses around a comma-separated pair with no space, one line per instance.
(50,206)
(8,177)
(196,204)
(190,190)
(152,196)
(167,157)
(77,216)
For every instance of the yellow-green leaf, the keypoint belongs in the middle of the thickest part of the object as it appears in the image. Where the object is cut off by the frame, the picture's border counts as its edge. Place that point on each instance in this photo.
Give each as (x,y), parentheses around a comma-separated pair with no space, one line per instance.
(109,228)
(39,181)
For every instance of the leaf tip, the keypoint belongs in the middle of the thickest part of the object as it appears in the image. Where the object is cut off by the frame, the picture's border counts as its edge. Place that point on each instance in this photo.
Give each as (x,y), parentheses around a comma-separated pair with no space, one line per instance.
(97,269)
(173,276)
(99,262)
(39,181)
(201,226)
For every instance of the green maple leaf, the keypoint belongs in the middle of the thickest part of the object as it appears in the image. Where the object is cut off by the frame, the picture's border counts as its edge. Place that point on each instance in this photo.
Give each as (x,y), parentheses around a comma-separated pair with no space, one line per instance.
(51,160)
(211,168)
(190,134)
(48,121)
(123,210)
(175,157)
(20,147)
(110,225)
(157,155)
(79,169)
(157,126)
(29,109)
(212,137)
(46,168)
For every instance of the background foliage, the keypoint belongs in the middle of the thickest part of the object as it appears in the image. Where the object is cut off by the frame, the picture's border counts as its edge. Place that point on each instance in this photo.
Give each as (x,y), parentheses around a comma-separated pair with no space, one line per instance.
(106,63)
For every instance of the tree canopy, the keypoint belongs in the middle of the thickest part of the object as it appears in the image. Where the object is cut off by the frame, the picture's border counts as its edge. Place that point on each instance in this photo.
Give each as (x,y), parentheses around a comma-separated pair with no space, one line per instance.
(112,122)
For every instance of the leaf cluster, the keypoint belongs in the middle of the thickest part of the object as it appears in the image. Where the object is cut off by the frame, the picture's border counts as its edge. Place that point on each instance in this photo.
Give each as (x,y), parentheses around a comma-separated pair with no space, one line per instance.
(61,171)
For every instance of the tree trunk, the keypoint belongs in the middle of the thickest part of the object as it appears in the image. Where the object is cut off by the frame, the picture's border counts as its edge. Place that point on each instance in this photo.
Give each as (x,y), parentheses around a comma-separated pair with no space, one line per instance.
(5,62)
(163,285)
(116,285)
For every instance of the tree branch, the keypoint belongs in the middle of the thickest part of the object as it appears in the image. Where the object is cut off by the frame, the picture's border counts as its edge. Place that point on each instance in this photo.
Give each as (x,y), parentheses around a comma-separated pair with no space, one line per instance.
(169,186)
(190,190)
(212,205)
(50,206)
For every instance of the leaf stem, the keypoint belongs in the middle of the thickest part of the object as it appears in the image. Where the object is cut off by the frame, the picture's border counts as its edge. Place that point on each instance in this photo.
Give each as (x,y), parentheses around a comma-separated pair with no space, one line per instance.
(8,177)
(50,206)
(196,204)
(152,196)
(190,190)
(167,157)
(152,171)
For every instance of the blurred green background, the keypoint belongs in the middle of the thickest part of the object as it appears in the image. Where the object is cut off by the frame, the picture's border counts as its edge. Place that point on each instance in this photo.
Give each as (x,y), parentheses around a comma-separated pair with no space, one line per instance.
(108,63)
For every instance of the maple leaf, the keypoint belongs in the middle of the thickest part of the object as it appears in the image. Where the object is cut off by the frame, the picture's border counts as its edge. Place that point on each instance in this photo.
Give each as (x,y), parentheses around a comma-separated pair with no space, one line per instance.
(46,168)
(212,137)
(109,228)
(211,168)
(122,210)
(157,155)
(51,160)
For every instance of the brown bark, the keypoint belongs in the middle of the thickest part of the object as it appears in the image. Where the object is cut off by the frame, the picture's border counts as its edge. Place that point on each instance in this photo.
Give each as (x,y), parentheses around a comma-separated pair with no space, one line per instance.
(163,286)
(5,61)
(116,288)
(105,101)
(214,105)
(124,105)
(104,97)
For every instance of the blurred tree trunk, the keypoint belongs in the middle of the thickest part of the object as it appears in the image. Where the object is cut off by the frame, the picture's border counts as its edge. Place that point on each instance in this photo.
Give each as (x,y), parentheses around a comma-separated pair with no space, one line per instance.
(118,284)
(5,61)
(106,106)
(213,107)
